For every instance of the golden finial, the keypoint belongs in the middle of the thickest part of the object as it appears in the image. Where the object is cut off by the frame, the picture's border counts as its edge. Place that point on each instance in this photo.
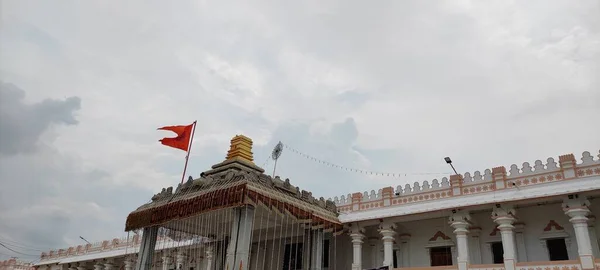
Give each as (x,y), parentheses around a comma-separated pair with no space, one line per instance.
(241,148)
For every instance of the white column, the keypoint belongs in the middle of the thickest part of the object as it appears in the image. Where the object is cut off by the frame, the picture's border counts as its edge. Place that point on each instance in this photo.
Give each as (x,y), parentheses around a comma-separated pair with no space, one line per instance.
(81,266)
(308,239)
(129,264)
(209,257)
(238,251)
(593,236)
(577,209)
(504,217)
(356,233)
(520,238)
(387,236)
(405,249)
(475,245)
(317,250)
(109,266)
(460,222)
(181,260)
(166,261)
(147,246)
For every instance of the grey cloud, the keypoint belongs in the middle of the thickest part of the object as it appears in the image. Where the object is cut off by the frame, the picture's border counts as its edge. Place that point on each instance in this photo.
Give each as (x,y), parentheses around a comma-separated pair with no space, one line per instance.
(48,200)
(22,124)
(345,133)
(338,146)
(353,98)
(404,83)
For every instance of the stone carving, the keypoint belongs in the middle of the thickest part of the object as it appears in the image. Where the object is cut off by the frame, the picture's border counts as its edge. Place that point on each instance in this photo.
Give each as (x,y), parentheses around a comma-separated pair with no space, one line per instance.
(330,205)
(305,195)
(206,182)
(181,188)
(269,181)
(321,202)
(165,193)
(229,175)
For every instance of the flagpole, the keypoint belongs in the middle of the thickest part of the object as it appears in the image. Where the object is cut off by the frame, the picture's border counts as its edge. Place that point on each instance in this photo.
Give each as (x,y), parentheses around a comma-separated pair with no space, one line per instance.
(188,152)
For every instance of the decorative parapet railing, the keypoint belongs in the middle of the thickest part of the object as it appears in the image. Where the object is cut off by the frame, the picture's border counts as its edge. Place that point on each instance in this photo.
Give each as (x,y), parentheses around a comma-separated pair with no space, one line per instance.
(486,266)
(553,265)
(550,265)
(92,247)
(494,179)
(15,264)
(449,267)
(163,242)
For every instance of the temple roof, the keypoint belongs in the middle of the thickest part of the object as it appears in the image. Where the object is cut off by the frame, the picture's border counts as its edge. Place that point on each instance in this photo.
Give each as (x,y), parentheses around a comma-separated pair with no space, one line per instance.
(233,182)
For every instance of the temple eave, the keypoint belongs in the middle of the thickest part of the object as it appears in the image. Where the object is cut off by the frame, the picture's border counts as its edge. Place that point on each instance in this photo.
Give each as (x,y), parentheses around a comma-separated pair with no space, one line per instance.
(241,194)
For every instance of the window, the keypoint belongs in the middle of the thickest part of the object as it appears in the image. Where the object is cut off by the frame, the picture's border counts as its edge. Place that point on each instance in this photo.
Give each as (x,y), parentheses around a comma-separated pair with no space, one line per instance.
(292,258)
(395,258)
(440,256)
(326,253)
(497,252)
(557,249)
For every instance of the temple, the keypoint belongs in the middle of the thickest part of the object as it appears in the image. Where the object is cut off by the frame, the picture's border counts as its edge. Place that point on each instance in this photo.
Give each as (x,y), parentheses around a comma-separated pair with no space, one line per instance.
(539,217)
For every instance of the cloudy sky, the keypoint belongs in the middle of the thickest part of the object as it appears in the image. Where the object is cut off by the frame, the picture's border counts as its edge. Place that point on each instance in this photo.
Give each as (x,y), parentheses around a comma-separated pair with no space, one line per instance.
(391,86)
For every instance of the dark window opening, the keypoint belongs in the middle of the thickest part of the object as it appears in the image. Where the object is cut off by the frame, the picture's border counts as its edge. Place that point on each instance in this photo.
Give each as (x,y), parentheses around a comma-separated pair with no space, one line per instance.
(395,259)
(440,256)
(292,258)
(557,249)
(326,253)
(497,253)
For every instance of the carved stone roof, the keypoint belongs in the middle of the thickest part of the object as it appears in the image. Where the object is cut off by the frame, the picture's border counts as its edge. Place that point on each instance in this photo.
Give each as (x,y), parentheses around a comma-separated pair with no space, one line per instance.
(237,174)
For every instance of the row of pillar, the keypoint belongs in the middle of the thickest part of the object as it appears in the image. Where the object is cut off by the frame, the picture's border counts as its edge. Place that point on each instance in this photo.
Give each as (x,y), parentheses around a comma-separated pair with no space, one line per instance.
(573,206)
(388,236)
(108,265)
(238,249)
(167,261)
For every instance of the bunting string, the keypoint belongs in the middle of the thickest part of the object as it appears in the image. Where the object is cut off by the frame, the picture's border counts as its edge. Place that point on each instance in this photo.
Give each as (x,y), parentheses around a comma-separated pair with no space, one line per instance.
(355,170)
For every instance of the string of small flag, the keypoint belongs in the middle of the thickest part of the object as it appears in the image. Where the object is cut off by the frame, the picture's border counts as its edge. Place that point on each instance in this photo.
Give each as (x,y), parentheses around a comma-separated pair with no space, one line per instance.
(266,162)
(367,172)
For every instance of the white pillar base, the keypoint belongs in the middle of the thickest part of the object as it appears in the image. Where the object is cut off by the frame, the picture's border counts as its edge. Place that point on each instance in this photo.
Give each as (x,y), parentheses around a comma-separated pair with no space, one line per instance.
(387,236)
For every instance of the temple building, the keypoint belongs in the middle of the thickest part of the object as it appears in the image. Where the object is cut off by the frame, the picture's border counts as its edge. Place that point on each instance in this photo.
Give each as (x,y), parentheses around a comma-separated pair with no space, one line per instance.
(234,216)
(14,264)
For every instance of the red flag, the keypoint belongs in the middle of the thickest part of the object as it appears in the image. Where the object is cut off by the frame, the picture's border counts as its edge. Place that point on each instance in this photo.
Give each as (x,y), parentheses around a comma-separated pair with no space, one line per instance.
(182,141)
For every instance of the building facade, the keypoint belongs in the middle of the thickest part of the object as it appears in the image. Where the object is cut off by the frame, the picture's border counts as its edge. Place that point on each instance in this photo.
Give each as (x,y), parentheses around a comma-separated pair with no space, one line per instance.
(539,217)
(14,264)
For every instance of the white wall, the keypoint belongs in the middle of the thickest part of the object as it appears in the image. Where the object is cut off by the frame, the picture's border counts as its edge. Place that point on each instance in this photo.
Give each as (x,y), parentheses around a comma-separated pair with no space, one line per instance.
(535,218)
(421,232)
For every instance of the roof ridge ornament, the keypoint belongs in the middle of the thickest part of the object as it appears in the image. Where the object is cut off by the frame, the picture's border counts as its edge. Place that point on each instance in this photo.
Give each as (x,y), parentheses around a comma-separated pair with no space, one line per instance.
(240,148)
